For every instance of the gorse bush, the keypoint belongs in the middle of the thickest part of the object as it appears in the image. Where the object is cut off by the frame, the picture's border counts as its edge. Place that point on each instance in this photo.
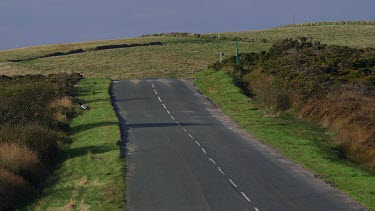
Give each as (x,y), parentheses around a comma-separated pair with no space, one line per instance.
(34,112)
(333,85)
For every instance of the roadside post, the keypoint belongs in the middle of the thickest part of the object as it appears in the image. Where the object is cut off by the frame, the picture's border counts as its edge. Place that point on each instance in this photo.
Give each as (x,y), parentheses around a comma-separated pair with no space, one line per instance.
(237,52)
(221,57)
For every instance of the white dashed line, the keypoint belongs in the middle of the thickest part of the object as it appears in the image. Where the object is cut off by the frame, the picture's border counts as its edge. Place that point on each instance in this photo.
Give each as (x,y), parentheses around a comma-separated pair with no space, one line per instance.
(212,161)
(245,196)
(203,150)
(231,182)
(221,170)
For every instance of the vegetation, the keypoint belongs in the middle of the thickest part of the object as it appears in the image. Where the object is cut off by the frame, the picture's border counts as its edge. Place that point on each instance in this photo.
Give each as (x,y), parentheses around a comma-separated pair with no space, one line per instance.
(178,56)
(332,23)
(332,85)
(90,175)
(302,141)
(31,133)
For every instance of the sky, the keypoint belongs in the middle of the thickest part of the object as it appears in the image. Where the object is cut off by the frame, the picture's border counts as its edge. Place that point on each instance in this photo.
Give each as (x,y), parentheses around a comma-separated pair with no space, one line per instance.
(38,22)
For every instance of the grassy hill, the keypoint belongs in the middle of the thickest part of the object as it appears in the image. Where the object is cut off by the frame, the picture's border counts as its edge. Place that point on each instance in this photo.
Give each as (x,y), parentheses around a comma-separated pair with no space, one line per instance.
(179,55)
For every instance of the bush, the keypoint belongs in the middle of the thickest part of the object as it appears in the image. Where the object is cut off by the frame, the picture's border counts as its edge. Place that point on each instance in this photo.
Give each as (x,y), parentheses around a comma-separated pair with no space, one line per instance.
(270,93)
(33,110)
(22,161)
(63,110)
(43,141)
(14,190)
(332,85)
(25,103)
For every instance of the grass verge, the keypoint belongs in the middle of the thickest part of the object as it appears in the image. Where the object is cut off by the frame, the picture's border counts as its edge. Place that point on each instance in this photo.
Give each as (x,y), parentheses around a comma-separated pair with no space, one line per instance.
(91,173)
(302,142)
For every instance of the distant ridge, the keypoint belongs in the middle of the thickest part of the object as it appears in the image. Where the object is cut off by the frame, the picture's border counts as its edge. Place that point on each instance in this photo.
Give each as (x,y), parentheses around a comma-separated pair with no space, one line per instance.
(330,23)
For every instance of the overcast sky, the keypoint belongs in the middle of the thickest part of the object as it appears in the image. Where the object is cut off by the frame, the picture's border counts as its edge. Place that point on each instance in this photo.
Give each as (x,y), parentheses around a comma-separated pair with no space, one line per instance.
(36,22)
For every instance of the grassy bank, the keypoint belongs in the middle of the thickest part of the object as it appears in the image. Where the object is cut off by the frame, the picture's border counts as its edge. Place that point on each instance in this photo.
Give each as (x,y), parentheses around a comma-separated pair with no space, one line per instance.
(34,113)
(331,85)
(91,175)
(303,142)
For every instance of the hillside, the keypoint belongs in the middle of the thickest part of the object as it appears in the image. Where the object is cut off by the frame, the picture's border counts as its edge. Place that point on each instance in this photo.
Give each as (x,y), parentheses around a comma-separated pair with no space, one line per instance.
(304,100)
(177,57)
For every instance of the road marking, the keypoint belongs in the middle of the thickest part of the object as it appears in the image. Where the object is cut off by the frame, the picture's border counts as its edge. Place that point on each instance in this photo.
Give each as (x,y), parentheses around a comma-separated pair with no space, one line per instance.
(185,130)
(191,136)
(212,161)
(178,123)
(115,82)
(256,209)
(153,86)
(165,107)
(221,170)
(155,91)
(160,99)
(204,151)
(234,184)
(168,112)
(245,196)
(198,143)
(172,117)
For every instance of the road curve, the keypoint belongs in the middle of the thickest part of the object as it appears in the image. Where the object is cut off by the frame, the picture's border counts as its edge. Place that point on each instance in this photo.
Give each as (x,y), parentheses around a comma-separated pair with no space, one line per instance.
(183,154)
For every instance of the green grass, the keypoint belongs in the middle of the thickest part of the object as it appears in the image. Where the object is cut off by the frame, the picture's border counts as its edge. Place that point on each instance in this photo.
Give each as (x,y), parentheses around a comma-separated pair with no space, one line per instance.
(91,173)
(303,142)
(177,58)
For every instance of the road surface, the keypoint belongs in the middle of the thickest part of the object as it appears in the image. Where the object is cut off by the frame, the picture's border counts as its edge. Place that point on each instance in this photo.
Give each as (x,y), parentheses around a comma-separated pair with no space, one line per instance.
(183,154)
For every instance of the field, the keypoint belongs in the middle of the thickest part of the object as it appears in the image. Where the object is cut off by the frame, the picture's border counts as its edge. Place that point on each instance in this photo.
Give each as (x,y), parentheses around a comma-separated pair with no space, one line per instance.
(178,57)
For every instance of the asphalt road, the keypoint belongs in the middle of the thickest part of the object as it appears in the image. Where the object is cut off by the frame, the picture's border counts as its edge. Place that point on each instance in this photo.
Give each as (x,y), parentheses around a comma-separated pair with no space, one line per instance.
(183,154)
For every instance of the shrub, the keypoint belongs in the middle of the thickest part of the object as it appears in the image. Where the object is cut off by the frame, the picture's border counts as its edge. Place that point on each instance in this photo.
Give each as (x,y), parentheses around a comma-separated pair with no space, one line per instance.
(14,190)
(22,161)
(43,141)
(333,85)
(24,103)
(63,110)
(32,110)
(270,93)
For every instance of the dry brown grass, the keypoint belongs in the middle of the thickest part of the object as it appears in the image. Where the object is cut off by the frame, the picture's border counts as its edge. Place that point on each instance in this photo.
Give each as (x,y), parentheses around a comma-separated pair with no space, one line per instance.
(61,107)
(269,92)
(64,101)
(351,111)
(22,161)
